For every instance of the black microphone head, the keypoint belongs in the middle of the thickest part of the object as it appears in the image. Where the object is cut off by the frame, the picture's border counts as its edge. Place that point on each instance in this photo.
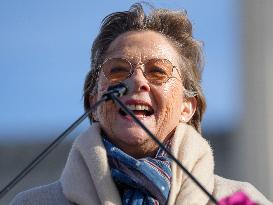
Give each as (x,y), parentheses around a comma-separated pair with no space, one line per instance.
(119,89)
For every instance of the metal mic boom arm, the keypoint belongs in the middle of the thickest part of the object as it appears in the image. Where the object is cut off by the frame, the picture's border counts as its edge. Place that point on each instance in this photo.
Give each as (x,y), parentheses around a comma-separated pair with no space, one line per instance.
(115,90)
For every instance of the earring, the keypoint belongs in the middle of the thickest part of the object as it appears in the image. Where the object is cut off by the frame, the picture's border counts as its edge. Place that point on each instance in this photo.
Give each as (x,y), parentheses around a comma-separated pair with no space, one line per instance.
(182,119)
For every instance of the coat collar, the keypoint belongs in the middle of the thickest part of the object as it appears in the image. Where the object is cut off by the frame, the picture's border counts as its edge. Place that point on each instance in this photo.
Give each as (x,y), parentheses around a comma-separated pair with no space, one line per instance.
(86,178)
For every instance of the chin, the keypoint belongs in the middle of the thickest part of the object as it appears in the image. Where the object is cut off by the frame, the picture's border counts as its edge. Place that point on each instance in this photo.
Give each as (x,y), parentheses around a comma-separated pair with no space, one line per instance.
(136,143)
(136,139)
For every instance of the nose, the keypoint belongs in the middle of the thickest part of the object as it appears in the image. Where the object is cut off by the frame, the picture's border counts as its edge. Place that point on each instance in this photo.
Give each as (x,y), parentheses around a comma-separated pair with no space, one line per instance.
(137,82)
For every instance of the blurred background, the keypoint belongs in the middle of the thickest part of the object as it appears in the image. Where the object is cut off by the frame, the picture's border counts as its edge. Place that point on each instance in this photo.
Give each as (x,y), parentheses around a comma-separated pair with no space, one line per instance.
(44,57)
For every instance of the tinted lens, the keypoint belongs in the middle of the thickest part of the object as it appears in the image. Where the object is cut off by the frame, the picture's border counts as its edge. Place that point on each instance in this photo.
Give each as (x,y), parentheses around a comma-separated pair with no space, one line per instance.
(158,70)
(116,69)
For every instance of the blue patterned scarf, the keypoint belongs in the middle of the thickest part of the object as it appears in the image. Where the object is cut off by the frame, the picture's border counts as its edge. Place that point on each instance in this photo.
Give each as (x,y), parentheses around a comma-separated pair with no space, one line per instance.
(143,181)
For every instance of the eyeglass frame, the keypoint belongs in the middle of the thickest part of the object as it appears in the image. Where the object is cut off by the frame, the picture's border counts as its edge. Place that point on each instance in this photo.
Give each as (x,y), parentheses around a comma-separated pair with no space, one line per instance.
(134,67)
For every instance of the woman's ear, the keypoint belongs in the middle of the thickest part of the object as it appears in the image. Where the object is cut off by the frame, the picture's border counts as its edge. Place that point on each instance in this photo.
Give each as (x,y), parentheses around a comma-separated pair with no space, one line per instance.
(188,109)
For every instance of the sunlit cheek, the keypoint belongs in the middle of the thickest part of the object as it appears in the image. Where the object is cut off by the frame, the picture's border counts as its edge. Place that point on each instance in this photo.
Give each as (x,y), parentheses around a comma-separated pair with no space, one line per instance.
(166,121)
(172,103)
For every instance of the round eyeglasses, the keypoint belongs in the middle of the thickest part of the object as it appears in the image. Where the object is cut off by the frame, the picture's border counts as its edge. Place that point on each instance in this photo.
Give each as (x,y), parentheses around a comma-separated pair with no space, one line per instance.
(156,71)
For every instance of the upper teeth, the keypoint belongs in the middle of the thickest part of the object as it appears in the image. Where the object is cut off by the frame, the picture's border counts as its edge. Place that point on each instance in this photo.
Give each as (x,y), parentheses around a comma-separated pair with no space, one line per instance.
(138,107)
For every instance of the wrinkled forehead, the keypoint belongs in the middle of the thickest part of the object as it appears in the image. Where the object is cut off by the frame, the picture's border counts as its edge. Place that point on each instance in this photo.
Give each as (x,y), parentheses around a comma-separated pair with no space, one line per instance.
(140,46)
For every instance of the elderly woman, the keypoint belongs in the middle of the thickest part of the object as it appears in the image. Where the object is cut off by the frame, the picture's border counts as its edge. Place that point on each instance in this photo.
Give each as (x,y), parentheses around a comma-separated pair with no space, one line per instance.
(115,161)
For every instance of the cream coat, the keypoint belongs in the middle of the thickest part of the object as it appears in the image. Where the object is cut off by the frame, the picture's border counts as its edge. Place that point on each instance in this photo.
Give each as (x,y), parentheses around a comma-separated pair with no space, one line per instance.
(86,179)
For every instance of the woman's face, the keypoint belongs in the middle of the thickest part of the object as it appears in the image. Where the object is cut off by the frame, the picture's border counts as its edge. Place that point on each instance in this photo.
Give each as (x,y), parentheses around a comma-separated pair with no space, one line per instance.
(166,101)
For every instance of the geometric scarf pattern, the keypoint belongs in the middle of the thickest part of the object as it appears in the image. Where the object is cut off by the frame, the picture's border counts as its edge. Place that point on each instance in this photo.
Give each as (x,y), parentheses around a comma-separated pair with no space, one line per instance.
(144,181)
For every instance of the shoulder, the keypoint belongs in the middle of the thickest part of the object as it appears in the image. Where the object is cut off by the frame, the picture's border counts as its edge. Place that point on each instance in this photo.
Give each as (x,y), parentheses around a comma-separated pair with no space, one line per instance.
(50,194)
(224,187)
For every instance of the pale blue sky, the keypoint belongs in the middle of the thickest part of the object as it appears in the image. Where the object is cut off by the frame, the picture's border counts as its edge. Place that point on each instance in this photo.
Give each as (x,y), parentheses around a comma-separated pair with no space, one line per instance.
(45,49)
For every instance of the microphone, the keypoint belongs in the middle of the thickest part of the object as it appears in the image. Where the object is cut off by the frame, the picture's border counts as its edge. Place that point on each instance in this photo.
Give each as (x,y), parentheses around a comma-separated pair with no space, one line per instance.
(117,90)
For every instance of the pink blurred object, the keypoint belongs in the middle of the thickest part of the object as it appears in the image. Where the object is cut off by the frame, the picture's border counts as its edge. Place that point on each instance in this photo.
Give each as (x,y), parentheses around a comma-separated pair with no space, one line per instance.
(238,198)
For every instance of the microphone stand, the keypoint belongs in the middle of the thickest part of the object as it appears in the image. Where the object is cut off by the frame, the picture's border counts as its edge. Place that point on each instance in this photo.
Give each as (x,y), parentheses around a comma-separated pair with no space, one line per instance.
(54,144)
(129,112)
(113,93)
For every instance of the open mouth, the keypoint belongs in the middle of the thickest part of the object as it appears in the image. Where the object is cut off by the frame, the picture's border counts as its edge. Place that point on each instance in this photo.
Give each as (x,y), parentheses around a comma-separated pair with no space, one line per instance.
(139,110)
